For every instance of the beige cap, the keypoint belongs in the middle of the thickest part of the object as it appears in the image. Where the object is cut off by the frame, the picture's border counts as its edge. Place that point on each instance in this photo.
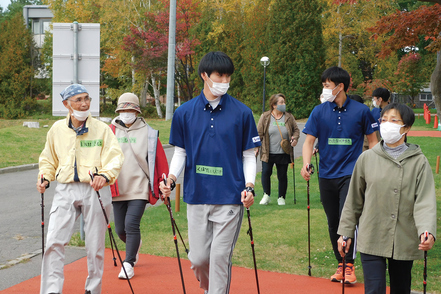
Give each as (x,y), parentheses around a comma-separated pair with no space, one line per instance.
(128,101)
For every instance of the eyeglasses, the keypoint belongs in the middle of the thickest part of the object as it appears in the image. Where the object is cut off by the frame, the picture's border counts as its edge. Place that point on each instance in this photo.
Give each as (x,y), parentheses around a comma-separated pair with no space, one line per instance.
(80,100)
(383,120)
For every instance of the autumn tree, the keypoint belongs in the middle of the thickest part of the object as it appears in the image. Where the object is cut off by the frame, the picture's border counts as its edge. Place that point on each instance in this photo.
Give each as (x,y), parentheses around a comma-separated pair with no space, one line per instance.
(149,45)
(294,35)
(348,43)
(16,69)
(403,29)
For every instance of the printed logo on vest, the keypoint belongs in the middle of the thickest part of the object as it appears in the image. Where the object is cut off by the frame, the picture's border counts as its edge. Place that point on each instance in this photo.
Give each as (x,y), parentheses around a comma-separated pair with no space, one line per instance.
(209,170)
(281,124)
(91,143)
(124,140)
(339,141)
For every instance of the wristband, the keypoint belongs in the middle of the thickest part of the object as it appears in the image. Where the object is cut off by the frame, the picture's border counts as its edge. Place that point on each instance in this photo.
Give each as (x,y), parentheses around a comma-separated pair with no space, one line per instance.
(48,183)
(172,184)
(250,189)
(107,180)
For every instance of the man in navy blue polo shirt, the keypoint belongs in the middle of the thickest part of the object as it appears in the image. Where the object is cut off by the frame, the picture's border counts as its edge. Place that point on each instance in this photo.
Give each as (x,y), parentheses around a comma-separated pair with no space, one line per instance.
(339,124)
(380,99)
(214,137)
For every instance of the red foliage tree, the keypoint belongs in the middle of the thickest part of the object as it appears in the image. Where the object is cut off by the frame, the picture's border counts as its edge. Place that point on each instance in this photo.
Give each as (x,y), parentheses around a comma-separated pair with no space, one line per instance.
(149,43)
(404,29)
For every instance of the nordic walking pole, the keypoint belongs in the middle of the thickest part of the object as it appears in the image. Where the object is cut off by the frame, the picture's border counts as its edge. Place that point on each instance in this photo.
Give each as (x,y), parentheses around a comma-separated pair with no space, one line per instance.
(294,173)
(42,219)
(180,236)
(173,224)
(310,170)
(343,244)
(426,236)
(109,229)
(250,232)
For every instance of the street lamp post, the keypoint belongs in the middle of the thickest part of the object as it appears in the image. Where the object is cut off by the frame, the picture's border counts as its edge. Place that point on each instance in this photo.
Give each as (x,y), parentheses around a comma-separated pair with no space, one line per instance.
(265,62)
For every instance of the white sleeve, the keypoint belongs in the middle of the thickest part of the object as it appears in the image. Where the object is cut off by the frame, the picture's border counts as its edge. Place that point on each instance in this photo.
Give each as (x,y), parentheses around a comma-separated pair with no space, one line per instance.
(249,166)
(177,163)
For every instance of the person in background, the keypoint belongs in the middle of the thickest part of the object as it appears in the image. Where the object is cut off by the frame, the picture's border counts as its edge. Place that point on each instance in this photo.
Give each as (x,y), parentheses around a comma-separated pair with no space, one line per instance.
(75,146)
(357,98)
(138,182)
(274,126)
(339,125)
(214,137)
(380,99)
(392,216)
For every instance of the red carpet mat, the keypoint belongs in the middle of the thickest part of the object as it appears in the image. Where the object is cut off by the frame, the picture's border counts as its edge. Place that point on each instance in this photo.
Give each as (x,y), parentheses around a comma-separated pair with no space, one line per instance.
(160,275)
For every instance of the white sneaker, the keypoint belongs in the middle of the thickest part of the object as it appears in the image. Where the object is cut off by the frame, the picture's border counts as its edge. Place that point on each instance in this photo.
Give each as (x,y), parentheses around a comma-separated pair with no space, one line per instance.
(137,253)
(265,199)
(281,201)
(129,270)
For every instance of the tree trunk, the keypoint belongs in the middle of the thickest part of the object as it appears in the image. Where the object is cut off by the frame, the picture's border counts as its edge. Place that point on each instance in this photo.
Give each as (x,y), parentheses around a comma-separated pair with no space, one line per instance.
(143,98)
(435,85)
(156,87)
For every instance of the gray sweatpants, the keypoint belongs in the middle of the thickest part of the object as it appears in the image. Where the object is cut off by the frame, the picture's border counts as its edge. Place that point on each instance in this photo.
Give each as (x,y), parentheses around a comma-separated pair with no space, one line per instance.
(213,231)
(70,200)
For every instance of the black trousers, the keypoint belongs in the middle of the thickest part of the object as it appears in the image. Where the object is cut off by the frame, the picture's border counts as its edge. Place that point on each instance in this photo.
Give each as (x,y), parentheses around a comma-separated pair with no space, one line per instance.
(128,216)
(333,196)
(281,161)
(374,269)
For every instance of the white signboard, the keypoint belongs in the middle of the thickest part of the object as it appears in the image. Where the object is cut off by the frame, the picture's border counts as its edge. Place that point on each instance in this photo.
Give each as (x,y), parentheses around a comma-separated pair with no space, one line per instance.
(88,63)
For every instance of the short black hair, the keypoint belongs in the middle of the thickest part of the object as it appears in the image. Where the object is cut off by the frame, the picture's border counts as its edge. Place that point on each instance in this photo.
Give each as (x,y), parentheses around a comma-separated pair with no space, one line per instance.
(406,113)
(357,98)
(337,75)
(382,93)
(216,61)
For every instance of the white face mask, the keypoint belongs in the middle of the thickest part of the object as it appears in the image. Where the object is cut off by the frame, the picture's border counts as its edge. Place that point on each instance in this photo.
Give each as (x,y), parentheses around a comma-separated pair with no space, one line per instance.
(80,115)
(322,99)
(218,89)
(374,103)
(390,132)
(127,117)
(327,94)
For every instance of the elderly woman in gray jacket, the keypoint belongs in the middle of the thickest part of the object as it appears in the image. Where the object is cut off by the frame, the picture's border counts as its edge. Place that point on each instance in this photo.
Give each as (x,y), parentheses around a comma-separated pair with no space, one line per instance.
(392,199)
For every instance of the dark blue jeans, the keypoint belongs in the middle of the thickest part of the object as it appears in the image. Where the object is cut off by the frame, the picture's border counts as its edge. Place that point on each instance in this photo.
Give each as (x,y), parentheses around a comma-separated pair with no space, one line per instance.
(374,269)
(128,216)
(281,161)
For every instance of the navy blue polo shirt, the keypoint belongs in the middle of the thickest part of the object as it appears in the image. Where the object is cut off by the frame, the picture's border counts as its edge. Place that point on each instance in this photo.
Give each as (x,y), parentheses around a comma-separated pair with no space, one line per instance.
(376,112)
(214,140)
(340,133)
